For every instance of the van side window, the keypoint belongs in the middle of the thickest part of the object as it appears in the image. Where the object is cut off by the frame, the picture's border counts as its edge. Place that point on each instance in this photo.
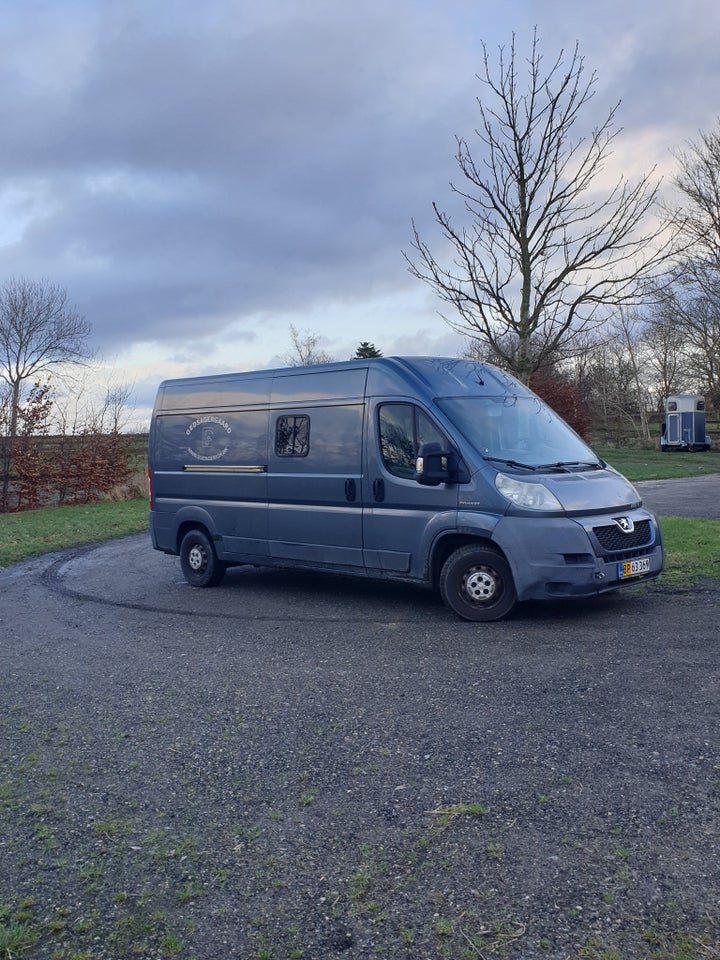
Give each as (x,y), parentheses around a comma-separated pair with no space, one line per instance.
(403,427)
(292,436)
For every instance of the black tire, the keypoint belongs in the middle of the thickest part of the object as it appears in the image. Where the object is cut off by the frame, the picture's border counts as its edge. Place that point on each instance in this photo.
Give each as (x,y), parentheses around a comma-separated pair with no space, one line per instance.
(199,562)
(477,584)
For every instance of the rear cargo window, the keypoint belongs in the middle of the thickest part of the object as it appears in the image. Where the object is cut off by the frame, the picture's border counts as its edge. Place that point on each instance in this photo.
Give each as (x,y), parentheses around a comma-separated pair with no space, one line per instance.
(292,436)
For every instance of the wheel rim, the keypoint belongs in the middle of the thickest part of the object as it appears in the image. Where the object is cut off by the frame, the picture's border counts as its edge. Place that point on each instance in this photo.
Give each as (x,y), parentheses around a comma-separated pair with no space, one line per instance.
(481,585)
(196,558)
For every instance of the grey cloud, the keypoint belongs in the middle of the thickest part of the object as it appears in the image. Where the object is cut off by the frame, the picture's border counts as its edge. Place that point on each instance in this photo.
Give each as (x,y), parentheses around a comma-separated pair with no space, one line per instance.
(182,169)
(196,172)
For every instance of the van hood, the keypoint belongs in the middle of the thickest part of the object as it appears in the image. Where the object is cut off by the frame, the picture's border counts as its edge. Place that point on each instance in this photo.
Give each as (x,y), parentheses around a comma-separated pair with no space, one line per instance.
(592,491)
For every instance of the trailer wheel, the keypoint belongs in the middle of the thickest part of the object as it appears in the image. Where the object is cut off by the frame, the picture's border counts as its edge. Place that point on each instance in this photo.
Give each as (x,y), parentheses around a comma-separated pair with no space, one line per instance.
(199,562)
(477,583)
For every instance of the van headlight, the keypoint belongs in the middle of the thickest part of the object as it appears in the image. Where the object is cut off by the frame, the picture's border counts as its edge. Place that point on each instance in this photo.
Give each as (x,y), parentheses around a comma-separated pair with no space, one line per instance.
(531,496)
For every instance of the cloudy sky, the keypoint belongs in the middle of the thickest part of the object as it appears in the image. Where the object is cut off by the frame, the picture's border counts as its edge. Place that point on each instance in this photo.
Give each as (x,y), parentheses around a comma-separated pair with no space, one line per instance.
(201,176)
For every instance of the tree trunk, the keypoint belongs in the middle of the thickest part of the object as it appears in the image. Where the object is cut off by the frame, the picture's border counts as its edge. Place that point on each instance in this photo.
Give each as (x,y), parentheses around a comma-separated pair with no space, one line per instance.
(9,446)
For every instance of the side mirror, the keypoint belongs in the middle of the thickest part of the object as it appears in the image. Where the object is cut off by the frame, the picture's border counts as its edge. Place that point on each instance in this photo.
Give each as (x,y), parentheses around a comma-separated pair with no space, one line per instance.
(434,465)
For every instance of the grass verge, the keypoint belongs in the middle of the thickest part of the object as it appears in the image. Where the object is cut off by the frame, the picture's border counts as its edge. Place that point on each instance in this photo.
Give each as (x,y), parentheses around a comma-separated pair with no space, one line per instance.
(35,532)
(692,550)
(655,465)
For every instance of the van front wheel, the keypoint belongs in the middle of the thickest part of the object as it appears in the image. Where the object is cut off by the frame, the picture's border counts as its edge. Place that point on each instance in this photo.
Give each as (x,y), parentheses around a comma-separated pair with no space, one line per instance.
(477,583)
(199,562)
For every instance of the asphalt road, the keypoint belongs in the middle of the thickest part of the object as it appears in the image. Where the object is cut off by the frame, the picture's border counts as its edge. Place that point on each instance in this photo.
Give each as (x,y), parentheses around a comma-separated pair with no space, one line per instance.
(293,765)
(689,497)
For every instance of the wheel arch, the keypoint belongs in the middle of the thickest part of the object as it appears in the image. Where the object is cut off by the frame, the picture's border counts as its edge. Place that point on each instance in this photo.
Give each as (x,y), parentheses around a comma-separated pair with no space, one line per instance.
(194,519)
(448,544)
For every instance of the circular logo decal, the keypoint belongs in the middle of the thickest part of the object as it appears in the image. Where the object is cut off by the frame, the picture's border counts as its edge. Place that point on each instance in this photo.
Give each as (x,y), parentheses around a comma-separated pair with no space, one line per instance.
(207,438)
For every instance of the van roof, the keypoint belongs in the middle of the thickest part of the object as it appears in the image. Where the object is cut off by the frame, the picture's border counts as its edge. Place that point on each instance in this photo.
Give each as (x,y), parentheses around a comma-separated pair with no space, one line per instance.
(427,377)
(431,370)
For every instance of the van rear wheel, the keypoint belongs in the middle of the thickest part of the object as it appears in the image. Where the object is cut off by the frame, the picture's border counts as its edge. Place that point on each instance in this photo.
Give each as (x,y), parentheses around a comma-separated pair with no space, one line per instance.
(477,584)
(199,561)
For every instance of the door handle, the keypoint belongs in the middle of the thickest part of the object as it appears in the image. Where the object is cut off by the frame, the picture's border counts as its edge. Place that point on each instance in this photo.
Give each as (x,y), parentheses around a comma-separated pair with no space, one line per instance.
(379,490)
(350,490)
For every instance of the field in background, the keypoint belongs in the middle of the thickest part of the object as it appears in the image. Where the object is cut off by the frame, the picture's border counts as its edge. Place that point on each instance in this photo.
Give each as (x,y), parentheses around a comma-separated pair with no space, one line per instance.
(638,464)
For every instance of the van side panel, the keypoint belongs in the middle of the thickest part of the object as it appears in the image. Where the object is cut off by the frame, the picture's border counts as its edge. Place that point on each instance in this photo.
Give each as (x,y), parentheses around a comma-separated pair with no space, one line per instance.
(217,463)
(315,483)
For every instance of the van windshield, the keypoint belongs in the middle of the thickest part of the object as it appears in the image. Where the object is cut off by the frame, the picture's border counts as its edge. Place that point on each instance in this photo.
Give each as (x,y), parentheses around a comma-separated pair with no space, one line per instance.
(520,432)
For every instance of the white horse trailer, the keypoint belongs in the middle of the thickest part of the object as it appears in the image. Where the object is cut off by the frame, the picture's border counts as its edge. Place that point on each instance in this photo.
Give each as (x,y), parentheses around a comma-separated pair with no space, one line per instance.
(684,424)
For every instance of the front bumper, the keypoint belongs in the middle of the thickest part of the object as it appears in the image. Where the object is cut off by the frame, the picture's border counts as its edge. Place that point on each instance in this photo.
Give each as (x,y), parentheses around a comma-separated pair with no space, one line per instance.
(577,556)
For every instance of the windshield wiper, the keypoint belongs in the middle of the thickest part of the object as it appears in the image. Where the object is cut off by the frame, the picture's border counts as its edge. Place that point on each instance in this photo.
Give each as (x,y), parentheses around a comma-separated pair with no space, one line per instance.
(561,466)
(511,463)
(564,465)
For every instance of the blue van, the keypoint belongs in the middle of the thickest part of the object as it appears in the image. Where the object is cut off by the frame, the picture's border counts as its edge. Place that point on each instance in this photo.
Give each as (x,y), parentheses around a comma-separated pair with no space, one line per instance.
(447,473)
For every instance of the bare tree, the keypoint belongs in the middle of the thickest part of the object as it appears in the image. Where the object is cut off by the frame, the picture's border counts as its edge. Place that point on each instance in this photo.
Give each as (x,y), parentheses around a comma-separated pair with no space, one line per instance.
(546,249)
(696,308)
(38,329)
(5,398)
(698,181)
(609,382)
(695,294)
(306,350)
(628,329)
(668,369)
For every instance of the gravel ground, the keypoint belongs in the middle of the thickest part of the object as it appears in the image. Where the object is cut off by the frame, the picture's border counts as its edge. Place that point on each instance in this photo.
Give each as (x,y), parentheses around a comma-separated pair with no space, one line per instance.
(295,766)
(689,497)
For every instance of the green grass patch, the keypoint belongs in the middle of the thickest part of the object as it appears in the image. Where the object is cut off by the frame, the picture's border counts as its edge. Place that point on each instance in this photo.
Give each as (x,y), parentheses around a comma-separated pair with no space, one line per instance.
(692,550)
(34,532)
(655,465)
(15,938)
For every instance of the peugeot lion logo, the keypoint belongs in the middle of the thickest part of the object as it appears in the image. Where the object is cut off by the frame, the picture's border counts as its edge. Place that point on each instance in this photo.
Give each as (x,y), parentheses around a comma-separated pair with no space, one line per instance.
(625,524)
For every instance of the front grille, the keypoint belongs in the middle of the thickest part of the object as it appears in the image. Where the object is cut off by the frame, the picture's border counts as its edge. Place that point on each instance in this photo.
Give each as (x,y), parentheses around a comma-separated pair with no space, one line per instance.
(612,538)
(624,555)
